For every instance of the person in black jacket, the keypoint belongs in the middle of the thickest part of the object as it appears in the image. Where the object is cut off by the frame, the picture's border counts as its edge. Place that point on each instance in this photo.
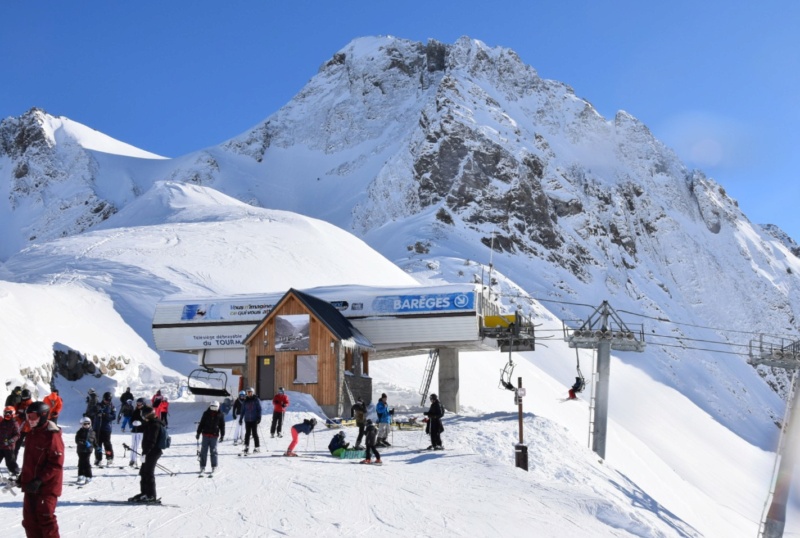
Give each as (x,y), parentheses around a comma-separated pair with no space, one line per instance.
(359,412)
(238,416)
(434,426)
(211,427)
(85,442)
(371,442)
(127,395)
(151,452)
(14,398)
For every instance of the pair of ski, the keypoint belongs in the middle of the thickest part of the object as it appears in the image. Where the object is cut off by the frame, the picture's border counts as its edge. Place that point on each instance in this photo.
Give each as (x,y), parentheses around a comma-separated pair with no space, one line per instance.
(157,502)
(205,474)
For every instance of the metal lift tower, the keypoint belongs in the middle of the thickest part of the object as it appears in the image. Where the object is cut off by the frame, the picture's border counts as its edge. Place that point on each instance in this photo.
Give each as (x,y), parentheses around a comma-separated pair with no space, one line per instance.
(787,356)
(603,331)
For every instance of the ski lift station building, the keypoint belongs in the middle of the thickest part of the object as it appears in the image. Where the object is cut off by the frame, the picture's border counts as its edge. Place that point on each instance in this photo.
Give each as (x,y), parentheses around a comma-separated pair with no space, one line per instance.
(320,341)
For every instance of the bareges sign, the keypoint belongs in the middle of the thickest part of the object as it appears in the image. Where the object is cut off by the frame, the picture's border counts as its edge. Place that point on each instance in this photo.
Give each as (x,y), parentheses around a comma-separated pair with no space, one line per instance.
(436,302)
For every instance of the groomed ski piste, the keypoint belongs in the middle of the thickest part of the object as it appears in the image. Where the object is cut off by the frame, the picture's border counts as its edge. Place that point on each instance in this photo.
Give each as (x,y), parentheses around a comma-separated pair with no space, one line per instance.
(472,488)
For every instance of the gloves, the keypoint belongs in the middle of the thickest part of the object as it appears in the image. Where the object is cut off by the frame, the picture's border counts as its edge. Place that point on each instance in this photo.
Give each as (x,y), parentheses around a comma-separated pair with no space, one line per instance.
(391,411)
(347,445)
(33,486)
(258,421)
(197,436)
(240,422)
(221,438)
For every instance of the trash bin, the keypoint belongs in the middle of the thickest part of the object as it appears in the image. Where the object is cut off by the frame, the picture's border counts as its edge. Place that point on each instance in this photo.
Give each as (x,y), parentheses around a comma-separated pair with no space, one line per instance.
(521,456)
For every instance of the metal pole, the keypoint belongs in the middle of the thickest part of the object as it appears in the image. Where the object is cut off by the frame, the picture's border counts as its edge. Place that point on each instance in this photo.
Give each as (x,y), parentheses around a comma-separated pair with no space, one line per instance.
(521,439)
(776,516)
(601,401)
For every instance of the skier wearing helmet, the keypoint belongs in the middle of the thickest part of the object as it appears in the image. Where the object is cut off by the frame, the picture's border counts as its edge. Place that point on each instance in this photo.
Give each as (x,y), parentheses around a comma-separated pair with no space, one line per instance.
(9,435)
(85,443)
(42,472)
(212,428)
(251,410)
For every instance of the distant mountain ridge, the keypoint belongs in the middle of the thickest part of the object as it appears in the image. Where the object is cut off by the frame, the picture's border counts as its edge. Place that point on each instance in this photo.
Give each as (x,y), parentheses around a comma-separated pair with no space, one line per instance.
(433,152)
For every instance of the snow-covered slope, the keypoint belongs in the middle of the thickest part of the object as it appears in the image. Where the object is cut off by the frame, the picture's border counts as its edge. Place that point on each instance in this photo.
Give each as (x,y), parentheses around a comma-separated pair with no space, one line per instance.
(432,154)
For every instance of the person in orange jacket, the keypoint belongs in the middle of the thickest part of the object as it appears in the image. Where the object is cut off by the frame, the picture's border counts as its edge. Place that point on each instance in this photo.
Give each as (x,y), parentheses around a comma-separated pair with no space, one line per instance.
(54,401)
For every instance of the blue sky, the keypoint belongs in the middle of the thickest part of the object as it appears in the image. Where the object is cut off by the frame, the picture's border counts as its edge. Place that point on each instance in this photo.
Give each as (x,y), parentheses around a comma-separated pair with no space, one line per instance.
(715,80)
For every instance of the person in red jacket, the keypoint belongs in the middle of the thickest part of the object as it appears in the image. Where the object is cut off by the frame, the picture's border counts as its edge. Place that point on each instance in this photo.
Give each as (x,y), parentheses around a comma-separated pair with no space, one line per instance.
(279,404)
(55,403)
(42,473)
(163,411)
(9,434)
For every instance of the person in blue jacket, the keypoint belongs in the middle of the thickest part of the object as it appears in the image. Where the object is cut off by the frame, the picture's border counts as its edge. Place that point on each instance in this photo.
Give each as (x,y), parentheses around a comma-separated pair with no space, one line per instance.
(251,412)
(384,420)
(306,427)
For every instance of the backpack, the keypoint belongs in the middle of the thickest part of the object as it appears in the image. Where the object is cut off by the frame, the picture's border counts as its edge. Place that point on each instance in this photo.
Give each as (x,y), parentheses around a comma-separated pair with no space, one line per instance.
(164,440)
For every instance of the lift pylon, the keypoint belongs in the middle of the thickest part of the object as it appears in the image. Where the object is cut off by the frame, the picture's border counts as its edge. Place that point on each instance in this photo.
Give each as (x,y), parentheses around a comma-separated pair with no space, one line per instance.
(603,330)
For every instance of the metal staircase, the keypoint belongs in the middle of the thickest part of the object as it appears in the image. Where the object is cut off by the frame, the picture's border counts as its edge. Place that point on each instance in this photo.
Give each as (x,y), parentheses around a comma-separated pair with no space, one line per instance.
(427,377)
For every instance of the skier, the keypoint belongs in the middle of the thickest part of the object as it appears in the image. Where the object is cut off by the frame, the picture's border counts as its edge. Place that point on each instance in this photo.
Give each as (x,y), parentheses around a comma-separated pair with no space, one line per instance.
(24,427)
(371,442)
(14,398)
(55,403)
(279,404)
(150,452)
(103,423)
(42,473)
(137,422)
(211,427)
(85,442)
(91,404)
(237,412)
(9,435)
(125,413)
(575,388)
(384,420)
(127,395)
(306,427)
(251,412)
(163,411)
(434,426)
(359,411)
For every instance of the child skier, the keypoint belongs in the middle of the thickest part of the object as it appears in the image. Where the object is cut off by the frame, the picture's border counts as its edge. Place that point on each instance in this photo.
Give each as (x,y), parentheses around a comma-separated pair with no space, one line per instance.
(306,427)
(9,435)
(85,442)
(371,441)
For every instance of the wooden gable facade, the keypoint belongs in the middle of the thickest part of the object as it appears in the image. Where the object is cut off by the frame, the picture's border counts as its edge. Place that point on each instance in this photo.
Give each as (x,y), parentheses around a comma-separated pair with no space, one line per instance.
(305,344)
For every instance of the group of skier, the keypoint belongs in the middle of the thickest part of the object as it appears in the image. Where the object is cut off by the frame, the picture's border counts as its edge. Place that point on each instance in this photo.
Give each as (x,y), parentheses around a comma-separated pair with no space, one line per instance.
(34,424)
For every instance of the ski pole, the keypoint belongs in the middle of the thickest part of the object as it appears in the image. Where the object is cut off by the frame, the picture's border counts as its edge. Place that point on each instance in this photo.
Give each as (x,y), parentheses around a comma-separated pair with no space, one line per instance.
(157,464)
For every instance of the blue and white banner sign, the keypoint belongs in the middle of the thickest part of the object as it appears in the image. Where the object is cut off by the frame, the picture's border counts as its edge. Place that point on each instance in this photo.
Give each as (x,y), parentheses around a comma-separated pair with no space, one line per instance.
(436,302)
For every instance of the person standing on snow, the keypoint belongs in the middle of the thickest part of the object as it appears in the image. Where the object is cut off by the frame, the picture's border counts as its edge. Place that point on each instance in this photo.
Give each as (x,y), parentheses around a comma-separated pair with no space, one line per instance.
(85,442)
(125,413)
(55,403)
(251,412)
(211,427)
(384,420)
(306,427)
(42,473)
(9,436)
(279,404)
(163,411)
(150,452)
(238,411)
(24,427)
(371,442)
(127,395)
(103,423)
(434,426)
(359,412)
(137,427)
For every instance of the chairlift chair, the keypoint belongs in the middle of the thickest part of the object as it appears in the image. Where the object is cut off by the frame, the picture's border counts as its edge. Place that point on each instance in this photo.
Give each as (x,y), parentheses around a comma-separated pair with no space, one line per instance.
(206,381)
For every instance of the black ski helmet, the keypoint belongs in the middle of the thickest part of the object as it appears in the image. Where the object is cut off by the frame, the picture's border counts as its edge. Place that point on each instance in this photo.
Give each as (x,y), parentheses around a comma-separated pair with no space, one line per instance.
(107,396)
(434,397)
(40,409)
(26,394)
